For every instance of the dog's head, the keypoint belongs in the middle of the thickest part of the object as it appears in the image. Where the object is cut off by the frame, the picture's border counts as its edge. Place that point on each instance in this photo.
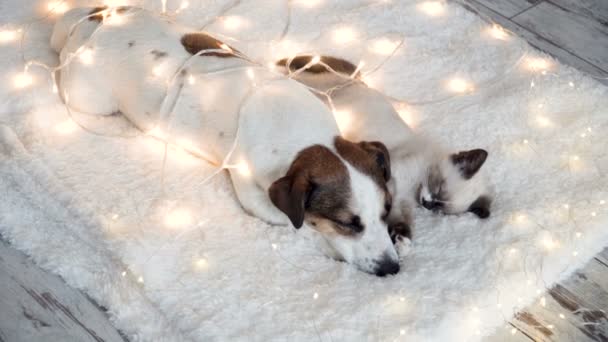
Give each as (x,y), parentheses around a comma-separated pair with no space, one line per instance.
(452,185)
(344,197)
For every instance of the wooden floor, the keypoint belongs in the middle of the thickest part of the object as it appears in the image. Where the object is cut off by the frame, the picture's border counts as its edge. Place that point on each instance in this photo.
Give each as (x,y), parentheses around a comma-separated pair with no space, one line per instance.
(38,306)
(576,33)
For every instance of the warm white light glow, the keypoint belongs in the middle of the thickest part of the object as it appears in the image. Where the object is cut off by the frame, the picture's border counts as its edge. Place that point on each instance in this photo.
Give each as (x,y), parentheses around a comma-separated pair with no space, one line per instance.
(223,46)
(157,133)
(537,64)
(250,73)
(543,301)
(550,326)
(86,56)
(123,273)
(274,246)
(184,5)
(115,217)
(58,7)
(22,80)
(66,127)
(512,251)
(308,3)
(315,60)
(593,213)
(602,202)
(550,243)
(191,80)
(157,70)
(8,36)
(201,264)
(344,35)
(401,332)
(459,85)
(579,234)
(315,296)
(402,299)
(513,331)
(575,253)
(566,206)
(432,8)
(232,22)
(178,218)
(407,115)
(243,169)
(543,121)
(343,118)
(526,141)
(384,46)
(571,84)
(55,90)
(498,32)
(561,315)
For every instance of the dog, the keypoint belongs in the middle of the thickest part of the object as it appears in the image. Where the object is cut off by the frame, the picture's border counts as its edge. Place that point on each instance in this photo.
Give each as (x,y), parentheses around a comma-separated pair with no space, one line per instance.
(301,172)
(423,172)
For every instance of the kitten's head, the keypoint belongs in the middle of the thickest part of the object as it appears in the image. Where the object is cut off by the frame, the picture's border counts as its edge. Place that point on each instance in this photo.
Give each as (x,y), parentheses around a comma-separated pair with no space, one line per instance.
(452,185)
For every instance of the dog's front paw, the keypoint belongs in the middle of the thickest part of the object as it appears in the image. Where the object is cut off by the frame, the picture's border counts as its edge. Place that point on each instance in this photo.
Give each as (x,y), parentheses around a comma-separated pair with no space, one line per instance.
(403,246)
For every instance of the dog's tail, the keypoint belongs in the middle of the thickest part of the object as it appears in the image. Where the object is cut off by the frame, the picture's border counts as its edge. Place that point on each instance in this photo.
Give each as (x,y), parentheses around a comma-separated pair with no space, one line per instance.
(90,16)
(328,73)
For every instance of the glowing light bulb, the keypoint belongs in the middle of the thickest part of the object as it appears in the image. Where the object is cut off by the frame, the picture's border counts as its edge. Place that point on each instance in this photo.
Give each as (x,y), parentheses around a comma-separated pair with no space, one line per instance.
(402,299)
(66,127)
(315,296)
(115,217)
(513,331)
(432,8)
(178,218)
(343,119)
(86,56)
(201,264)
(459,85)
(315,60)
(550,326)
(184,5)
(498,32)
(243,169)
(191,80)
(157,133)
(602,202)
(8,36)
(562,316)
(274,246)
(344,35)
(583,135)
(526,141)
(140,279)
(401,332)
(579,234)
(549,243)
(532,84)
(55,90)
(543,121)
(58,7)
(543,301)
(157,70)
(593,213)
(575,158)
(124,273)
(575,253)
(537,64)
(566,206)
(571,84)
(250,73)
(384,46)
(223,46)
(22,80)
(512,251)
(232,22)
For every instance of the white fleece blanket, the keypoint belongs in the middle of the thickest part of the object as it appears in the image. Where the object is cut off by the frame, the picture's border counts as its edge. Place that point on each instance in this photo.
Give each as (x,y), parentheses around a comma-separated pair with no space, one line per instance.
(179,260)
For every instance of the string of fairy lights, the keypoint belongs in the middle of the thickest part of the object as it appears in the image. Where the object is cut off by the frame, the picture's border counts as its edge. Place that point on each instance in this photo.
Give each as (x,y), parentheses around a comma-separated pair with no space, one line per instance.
(457,86)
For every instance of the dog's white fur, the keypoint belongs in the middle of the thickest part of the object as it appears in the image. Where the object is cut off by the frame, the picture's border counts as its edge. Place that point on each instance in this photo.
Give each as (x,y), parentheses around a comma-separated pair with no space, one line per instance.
(277,120)
(364,113)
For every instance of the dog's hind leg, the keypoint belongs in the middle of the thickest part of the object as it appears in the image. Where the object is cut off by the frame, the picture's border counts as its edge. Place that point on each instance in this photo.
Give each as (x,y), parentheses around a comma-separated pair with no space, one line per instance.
(255,200)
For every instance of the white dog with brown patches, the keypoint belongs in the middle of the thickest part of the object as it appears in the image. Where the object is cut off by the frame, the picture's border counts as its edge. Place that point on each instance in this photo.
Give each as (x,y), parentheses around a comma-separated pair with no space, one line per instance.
(301,171)
(423,172)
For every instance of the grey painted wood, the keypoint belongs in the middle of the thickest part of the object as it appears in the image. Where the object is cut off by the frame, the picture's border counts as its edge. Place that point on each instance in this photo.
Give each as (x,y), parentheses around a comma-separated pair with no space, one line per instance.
(38,306)
(509,8)
(593,9)
(537,40)
(573,310)
(603,257)
(577,34)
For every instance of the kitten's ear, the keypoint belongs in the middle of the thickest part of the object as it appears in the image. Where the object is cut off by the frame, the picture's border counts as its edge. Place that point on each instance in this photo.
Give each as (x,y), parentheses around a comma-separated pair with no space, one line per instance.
(289,194)
(469,162)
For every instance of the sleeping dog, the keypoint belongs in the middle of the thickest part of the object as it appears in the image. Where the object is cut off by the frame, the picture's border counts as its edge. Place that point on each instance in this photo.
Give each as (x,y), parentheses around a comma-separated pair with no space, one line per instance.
(301,171)
(423,172)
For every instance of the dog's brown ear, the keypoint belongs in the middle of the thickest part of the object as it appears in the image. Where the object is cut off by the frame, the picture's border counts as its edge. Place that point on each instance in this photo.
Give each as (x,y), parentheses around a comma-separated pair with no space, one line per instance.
(290,194)
(381,155)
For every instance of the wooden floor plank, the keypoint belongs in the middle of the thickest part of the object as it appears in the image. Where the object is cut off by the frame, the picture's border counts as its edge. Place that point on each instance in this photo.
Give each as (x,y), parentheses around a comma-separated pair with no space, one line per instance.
(573,310)
(509,8)
(38,306)
(536,40)
(594,9)
(585,37)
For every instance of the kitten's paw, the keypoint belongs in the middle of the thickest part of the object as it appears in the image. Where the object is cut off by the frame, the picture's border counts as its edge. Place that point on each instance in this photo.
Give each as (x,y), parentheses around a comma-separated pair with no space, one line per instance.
(403,246)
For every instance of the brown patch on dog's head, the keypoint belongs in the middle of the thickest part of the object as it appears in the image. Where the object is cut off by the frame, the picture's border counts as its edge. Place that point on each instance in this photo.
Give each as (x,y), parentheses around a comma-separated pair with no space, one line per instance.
(337,64)
(197,42)
(97,14)
(316,183)
(371,158)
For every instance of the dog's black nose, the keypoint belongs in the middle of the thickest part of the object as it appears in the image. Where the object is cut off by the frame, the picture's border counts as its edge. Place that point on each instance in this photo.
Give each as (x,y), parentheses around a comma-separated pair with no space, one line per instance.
(387,266)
